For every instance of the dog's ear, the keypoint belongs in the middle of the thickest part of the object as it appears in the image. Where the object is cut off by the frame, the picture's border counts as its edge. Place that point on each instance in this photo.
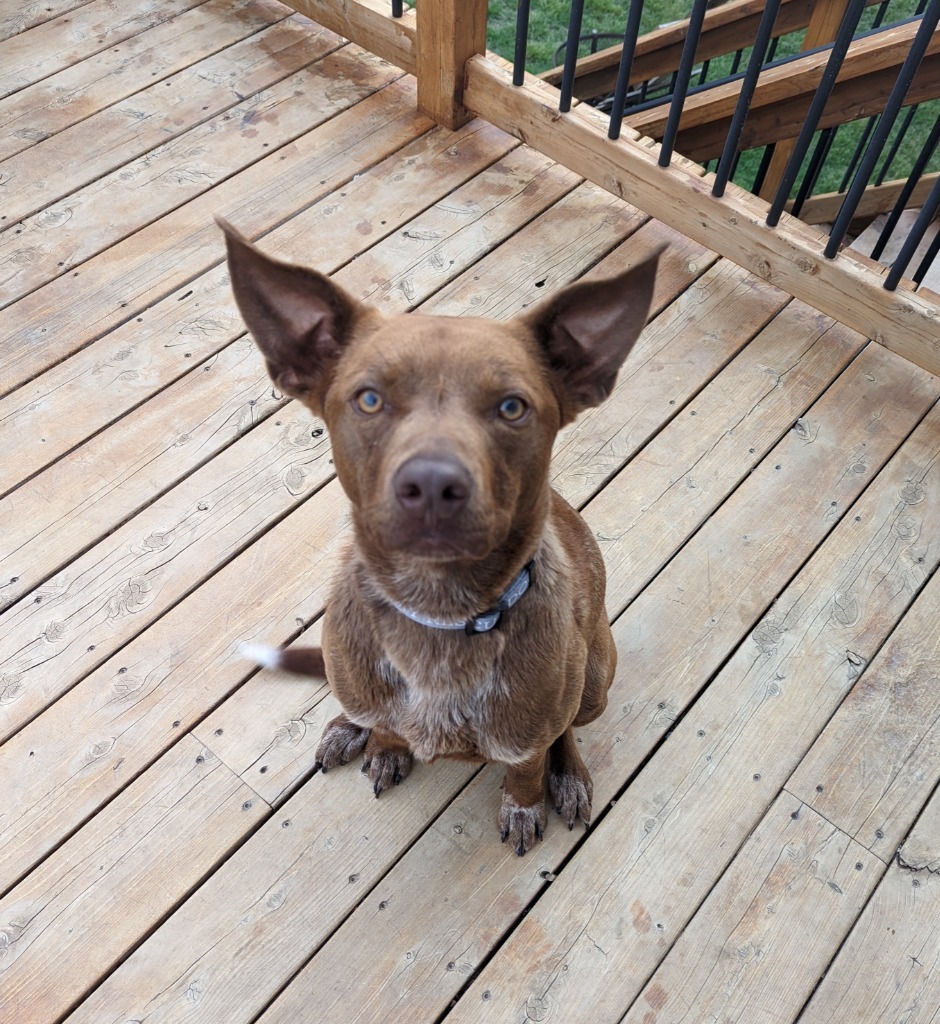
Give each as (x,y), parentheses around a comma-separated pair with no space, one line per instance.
(587,330)
(299,318)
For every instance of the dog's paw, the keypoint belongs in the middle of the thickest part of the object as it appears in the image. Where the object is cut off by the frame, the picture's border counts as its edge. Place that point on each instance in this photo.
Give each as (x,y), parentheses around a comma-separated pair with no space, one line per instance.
(342,740)
(386,768)
(571,794)
(521,826)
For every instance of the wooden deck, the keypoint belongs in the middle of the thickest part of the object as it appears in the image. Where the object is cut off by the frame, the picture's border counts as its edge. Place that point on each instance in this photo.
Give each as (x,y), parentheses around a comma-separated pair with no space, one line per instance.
(764,483)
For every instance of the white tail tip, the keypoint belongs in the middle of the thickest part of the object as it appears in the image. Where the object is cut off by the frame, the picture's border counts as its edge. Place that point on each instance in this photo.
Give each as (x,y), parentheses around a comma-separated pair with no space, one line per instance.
(263,654)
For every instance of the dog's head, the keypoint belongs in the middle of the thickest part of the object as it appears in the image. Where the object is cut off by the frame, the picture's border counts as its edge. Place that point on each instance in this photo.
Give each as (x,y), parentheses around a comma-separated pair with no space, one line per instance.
(442,427)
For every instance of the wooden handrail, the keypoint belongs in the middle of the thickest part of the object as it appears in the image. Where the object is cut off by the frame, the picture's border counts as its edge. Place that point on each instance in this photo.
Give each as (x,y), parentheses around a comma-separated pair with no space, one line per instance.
(848,288)
(822,209)
(726,29)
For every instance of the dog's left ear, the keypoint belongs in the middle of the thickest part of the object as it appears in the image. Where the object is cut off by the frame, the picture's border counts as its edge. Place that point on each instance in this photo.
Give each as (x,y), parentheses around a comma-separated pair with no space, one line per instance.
(298,317)
(588,329)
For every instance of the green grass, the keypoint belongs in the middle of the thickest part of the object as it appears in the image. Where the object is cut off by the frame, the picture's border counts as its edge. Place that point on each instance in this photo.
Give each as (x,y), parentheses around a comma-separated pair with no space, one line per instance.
(548,27)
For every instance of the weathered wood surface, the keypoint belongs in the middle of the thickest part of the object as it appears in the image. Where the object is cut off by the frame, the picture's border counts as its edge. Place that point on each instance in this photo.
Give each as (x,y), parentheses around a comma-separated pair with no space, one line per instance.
(763,485)
(82,90)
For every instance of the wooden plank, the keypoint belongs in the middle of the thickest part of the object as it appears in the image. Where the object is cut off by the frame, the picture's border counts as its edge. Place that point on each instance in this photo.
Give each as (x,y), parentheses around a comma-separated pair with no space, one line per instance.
(449,33)
(40,110)
(766,933)
(673,831)
(268,731)
(878,760)
(369,24)
(76,500)
(129,128)
(726,28)
(51,324)
(889,968)
(74,917)
(704,328)
(585,226)
(116,588)
(93,27)
(734,225)
(823,208)
(253,924)
(93,218)
(482,905)
(680,477)
(16,17)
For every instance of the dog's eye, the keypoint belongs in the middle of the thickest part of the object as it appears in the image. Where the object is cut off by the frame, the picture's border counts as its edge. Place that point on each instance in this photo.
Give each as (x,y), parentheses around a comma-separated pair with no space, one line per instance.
(369,401)
(512,409)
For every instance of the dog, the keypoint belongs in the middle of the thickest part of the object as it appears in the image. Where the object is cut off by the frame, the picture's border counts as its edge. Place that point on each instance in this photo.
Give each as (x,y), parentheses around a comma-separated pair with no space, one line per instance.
(467,616)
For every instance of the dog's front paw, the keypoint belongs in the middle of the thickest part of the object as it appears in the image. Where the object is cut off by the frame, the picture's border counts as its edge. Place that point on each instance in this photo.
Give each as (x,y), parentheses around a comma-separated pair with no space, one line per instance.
(342,740)
(572,793)
(521,826)
(386,767)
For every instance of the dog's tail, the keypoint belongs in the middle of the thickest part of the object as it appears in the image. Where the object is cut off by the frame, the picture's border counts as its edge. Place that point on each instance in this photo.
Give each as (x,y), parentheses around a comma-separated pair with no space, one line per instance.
(302,661)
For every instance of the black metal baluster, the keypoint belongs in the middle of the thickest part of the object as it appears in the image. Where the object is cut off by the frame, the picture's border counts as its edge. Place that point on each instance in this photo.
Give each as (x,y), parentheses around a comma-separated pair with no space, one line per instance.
(933,250)
(920,165)
(522,41)
(926,215)
(397,10)
(754,65)
(686,61)
(906,75)
(763,167)
(840,47)
(571,55)
(630,34)
(857,155)
(898,139)
(816,161)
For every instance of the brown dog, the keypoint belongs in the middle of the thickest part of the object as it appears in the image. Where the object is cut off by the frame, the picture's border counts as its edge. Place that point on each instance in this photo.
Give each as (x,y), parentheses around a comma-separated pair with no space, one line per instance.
(467,618)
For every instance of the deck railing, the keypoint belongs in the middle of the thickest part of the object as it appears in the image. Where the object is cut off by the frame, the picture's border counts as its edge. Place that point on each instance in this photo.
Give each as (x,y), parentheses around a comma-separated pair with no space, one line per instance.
(443,42)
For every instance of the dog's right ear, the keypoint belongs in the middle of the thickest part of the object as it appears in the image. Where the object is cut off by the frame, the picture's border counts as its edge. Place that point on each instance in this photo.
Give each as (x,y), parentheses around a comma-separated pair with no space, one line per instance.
(299,318)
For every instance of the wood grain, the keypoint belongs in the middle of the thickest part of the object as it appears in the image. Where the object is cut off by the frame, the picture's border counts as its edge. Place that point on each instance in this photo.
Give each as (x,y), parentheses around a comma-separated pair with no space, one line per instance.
(149,119)
(91,219)
(758,944)
(879,759)
(46,48)
(889,969)
(82,90)
(85,906)
(59,319)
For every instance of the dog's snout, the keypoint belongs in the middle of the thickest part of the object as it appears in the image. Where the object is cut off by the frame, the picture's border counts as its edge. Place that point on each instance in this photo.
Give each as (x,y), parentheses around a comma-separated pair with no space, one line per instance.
(438,485)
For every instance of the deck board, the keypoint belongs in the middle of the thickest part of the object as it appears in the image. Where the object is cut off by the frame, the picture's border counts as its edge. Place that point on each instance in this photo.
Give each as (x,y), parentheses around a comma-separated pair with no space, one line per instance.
(763,483)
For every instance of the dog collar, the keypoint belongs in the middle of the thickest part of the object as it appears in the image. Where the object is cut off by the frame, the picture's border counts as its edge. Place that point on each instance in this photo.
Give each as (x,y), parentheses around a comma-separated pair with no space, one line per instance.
(487,620)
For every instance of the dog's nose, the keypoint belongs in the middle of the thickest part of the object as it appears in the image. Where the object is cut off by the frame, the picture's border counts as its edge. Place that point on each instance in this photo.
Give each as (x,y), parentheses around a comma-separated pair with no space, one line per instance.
(432,484)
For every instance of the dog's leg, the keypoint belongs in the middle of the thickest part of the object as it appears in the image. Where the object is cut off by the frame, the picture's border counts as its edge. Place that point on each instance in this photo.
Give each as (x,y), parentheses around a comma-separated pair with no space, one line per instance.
(340,743)
(522,813)
(387,762)
(569,781)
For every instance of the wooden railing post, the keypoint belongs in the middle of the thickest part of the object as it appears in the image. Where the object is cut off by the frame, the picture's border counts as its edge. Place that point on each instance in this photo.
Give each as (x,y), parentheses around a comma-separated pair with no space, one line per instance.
(449,33)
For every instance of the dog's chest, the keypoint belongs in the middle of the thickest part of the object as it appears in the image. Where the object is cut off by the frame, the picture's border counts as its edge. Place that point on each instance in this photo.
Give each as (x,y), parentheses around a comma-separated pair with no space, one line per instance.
(442,713)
